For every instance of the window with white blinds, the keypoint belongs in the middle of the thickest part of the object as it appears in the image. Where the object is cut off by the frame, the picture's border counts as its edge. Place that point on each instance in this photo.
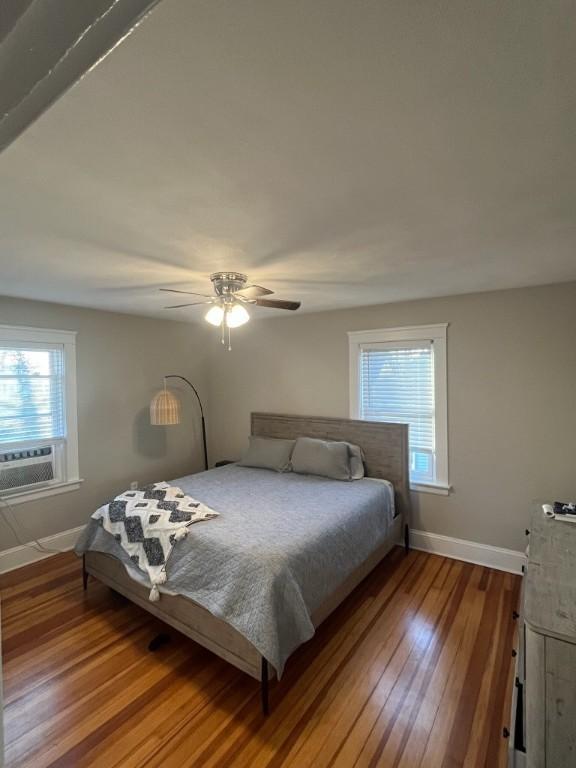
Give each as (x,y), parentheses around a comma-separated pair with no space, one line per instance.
(399,375)
(38,419)
(397,385)
(31,393)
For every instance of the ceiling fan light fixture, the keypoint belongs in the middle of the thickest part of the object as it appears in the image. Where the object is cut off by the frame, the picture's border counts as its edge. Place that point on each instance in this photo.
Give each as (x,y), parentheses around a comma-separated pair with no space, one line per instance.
(232,293)
(236,316)
(214,316)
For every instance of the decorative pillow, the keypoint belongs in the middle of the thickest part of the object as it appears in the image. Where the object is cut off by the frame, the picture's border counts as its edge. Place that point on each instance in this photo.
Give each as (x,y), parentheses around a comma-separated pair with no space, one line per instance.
(327,458)
(268,453)
(356,462)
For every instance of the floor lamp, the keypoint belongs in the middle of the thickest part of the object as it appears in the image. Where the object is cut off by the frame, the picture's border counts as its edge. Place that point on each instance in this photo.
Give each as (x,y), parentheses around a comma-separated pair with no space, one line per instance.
(165,409)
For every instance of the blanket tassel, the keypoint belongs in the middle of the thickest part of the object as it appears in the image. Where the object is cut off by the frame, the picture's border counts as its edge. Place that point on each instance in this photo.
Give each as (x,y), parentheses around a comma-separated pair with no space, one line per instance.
(155,592)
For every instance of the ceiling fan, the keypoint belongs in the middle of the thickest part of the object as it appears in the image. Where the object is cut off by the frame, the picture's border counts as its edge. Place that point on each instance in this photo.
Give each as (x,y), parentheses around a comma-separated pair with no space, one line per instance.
(231,295)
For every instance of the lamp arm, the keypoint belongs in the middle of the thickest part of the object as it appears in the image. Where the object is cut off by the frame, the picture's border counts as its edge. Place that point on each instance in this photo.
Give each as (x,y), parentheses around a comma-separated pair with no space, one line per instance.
(183,378)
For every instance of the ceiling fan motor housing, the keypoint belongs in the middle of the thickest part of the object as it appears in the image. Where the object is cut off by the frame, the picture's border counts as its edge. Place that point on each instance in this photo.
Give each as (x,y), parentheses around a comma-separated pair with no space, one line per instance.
(228,283)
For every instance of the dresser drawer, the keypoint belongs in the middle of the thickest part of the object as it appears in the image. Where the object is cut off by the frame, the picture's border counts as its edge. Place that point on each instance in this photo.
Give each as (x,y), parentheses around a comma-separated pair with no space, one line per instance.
(535,693)
(560,703)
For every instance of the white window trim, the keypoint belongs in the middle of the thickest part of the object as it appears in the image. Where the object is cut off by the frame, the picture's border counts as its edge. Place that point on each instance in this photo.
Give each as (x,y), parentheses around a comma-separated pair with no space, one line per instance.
(72,480)
(436,333)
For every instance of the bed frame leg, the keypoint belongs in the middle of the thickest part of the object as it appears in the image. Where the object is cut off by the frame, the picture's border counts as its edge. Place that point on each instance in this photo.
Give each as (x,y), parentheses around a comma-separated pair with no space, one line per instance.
(264,687)
(407,538)
(84,574)
(158,641)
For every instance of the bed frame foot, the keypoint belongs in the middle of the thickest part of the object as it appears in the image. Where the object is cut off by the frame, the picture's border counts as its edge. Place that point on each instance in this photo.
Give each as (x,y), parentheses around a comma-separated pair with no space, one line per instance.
(158,641)
(264,687)
(84,574)
(407,538)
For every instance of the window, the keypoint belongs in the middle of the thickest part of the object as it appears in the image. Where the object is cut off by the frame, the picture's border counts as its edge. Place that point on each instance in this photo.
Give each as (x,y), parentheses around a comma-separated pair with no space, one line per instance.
(38,421)
(399,375)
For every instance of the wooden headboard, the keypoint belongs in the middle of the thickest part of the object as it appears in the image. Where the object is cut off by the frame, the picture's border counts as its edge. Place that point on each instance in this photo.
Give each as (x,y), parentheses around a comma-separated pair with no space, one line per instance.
(385,445)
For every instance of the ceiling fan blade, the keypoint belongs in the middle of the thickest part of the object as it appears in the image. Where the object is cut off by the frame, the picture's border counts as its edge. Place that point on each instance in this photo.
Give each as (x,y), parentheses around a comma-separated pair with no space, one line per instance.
(193,304)
(253,291)
(277,303)
(188,293)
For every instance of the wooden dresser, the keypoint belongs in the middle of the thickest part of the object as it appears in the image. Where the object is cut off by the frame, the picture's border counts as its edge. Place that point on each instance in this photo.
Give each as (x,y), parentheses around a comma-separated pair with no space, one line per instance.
(546,670)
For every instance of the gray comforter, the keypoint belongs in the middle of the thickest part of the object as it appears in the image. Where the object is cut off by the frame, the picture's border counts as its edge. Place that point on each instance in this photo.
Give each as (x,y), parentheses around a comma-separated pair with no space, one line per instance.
(281,545)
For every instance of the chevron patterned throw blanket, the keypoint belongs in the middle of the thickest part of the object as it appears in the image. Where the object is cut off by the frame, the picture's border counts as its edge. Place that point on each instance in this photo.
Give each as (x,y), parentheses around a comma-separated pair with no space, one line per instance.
(147,524)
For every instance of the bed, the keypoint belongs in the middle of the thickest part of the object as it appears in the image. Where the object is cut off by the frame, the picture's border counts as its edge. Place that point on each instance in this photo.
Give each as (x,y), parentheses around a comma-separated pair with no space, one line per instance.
(254,583)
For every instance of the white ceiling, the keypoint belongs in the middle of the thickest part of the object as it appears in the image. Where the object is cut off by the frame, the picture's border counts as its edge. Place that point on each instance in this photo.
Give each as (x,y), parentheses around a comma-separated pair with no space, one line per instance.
(341,153)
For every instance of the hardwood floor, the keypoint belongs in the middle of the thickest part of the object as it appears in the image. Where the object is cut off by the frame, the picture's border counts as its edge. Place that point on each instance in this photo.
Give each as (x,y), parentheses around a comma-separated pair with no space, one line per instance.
(414,669)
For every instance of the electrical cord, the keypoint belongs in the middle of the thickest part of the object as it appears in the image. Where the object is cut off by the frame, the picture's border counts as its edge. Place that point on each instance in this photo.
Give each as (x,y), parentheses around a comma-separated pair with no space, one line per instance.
(13,525)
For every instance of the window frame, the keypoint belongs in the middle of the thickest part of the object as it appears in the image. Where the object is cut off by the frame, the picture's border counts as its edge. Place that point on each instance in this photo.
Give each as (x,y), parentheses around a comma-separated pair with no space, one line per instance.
(437,333)
(68,461)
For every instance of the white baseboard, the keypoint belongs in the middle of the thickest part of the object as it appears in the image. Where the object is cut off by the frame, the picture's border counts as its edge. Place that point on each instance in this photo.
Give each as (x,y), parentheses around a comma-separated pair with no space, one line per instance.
(26,553)
(470,551)
(458,549)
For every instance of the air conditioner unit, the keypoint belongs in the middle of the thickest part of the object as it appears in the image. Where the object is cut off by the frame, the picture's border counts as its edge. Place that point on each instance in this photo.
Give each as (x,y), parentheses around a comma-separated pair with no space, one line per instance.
(26,468)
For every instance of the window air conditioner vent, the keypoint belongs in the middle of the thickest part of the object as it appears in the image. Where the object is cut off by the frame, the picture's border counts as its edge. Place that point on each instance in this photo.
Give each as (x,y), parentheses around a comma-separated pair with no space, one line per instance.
(25,468)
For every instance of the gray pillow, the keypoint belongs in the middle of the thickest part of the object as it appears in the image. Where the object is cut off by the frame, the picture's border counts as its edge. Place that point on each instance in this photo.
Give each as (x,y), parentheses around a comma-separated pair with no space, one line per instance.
(356,462)
(326,458)
(268,453)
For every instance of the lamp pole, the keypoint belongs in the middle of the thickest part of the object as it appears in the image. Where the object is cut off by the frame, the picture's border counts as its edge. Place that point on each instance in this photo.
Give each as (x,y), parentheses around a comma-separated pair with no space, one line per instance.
(176,376)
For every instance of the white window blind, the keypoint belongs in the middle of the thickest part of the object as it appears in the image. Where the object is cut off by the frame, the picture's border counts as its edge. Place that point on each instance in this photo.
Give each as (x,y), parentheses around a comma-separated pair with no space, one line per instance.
(400,375)
(32,389)
(397,385)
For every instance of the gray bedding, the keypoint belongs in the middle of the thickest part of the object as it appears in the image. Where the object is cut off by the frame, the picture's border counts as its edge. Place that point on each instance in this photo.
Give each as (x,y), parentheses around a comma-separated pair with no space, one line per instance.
(280,547)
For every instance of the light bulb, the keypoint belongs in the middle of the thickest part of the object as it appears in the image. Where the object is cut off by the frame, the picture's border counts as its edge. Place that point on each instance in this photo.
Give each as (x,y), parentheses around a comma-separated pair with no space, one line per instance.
(214,315)
(236,316)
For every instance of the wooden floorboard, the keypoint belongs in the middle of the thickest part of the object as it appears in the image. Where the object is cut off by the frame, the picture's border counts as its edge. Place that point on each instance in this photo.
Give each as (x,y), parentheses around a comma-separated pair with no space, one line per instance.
(414,669)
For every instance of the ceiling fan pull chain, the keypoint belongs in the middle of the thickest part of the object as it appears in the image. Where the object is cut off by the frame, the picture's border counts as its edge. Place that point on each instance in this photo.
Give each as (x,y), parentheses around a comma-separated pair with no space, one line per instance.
(229,339)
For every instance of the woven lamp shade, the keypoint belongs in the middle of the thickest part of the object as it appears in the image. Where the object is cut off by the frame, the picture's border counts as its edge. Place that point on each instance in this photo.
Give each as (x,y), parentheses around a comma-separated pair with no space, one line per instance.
(165,408)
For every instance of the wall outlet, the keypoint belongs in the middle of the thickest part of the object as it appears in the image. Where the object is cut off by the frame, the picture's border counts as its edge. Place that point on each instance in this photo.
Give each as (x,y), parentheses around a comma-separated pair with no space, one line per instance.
(134,485)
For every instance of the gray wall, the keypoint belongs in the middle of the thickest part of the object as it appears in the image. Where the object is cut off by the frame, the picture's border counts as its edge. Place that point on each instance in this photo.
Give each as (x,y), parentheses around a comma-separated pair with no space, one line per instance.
(511,397)
(511,400)
(120,362)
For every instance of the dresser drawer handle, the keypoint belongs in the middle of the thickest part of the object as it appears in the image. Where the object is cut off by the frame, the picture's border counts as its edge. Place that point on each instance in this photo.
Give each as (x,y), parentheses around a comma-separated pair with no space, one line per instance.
(515,615)
(505,732)
(514,653)
(527,532)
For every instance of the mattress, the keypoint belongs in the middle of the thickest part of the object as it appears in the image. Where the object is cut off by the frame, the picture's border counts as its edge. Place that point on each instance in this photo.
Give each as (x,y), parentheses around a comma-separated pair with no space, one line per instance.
(281,545)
